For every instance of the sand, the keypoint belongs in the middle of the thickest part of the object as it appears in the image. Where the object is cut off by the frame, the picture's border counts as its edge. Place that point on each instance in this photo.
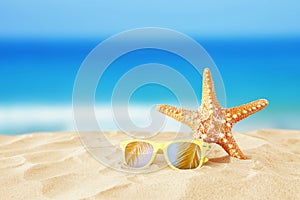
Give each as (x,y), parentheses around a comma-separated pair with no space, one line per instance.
(57,166)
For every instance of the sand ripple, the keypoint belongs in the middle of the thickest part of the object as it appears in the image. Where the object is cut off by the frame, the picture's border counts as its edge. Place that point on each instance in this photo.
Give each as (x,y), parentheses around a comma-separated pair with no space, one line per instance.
(56,166)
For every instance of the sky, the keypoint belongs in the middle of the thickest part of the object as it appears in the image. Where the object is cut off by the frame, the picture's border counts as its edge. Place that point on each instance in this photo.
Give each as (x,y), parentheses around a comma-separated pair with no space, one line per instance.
(91,18)
(38,64)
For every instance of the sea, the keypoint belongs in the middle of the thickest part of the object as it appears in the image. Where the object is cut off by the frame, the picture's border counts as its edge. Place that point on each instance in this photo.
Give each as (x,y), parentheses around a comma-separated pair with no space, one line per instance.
(37,79)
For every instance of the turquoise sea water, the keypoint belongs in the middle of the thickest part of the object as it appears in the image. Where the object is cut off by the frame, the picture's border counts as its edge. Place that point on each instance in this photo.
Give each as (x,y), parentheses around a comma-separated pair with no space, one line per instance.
(37,78)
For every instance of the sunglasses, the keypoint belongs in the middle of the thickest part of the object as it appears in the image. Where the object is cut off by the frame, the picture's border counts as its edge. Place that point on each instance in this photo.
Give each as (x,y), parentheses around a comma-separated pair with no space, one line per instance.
(180,154)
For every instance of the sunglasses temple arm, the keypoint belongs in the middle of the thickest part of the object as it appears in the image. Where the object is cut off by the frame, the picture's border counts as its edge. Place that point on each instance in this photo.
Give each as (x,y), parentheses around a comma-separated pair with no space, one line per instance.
(205,160)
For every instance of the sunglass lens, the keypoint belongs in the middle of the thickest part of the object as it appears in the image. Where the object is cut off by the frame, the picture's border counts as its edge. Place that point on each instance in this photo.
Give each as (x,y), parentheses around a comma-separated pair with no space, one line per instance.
(138,154)
(184,155)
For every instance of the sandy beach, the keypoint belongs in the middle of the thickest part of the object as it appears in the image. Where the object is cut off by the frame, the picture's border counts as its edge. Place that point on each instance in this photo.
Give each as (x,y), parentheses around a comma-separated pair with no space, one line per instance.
(57,166)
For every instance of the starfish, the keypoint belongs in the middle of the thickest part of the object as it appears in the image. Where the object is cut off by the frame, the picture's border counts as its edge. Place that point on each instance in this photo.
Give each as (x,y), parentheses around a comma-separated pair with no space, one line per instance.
(212,123)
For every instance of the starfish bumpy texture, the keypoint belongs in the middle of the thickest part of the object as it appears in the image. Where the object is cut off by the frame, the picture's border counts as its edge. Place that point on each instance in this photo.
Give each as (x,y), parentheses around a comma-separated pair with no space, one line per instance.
(212,123)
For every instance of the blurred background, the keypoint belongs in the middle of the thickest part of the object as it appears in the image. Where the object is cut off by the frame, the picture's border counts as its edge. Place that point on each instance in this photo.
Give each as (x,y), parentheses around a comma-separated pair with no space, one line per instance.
(255,44)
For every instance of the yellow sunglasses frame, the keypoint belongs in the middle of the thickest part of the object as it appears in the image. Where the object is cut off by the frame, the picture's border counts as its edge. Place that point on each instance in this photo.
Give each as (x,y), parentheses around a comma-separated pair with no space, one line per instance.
(162,147)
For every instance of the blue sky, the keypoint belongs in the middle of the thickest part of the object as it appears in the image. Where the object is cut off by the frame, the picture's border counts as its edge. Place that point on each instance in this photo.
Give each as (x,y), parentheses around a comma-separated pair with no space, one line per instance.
(91,18)
(42,72)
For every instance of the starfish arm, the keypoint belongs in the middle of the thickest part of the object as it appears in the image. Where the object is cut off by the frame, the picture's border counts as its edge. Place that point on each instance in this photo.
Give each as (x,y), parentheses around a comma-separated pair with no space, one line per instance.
(231,147)
(236,114)
(208,92)
(182,115)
